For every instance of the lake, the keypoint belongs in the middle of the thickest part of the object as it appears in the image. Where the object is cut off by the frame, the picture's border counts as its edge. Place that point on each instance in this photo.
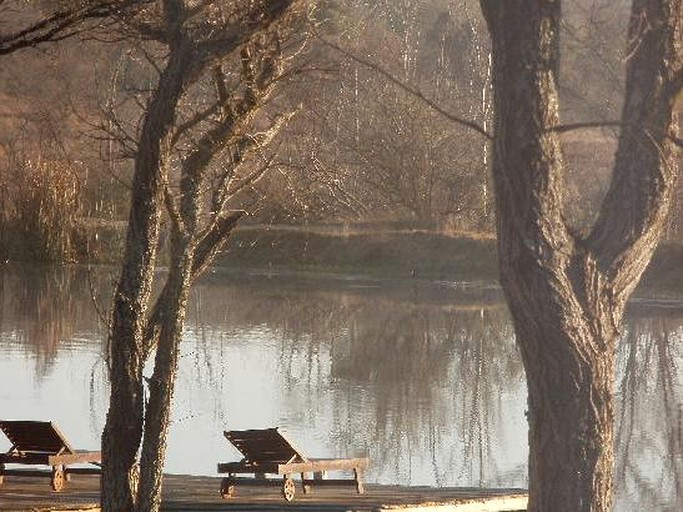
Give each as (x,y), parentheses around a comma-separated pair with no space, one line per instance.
(422,377)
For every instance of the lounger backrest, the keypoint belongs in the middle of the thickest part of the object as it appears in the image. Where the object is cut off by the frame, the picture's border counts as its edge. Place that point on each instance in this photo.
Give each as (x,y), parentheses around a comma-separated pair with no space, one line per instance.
(35,437)
(264,445)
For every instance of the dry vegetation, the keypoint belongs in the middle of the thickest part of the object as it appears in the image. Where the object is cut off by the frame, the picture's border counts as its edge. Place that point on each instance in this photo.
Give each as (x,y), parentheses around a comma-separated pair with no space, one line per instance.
(359,150)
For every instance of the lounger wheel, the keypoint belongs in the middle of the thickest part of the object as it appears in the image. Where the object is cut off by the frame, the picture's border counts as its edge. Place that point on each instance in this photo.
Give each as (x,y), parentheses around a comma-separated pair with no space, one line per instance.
(58,478)
(288,489)
(228,487)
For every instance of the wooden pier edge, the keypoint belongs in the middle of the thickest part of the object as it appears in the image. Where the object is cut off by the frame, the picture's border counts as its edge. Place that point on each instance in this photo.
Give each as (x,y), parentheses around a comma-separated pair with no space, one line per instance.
(488,504)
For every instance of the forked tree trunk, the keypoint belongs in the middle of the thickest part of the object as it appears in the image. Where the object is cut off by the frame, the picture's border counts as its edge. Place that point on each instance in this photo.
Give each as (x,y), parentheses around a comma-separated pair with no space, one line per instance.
(124,425)
(567,293)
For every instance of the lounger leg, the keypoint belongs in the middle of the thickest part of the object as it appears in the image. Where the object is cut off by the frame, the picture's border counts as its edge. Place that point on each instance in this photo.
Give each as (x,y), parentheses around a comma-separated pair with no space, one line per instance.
(358,477)
(304,485)
(319,475)
(2,476)
(228,487)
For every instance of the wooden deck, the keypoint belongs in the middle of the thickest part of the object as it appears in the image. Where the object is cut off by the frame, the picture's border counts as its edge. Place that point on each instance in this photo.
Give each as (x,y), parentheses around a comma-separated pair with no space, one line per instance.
(195,494)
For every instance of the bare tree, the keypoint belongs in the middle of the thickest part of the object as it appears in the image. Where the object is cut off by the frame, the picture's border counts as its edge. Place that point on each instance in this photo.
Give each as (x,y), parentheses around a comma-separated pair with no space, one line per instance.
(59,20)
(567,291)
(173,158)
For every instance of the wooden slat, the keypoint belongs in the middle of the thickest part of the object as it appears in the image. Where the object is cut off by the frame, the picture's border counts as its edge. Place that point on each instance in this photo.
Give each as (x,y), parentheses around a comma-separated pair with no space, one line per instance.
(257,482)
(35,436)
(242,467)
(331,482)
(52,460)
(30,458)
(74,458)
(266,445)
(26,472)
(317,465)
(83,471)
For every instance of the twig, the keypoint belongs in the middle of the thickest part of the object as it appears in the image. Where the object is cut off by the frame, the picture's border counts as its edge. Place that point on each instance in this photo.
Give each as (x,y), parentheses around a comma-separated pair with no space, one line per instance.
(409,89)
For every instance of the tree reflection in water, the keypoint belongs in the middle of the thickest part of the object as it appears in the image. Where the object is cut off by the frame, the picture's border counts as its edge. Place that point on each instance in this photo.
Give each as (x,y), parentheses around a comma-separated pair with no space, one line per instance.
(649,472)
(415,378)
(44,310)
(424,378)
(437,376)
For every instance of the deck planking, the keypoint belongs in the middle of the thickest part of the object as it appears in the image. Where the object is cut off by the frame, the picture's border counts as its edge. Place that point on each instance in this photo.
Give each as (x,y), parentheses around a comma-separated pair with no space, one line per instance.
(201,494)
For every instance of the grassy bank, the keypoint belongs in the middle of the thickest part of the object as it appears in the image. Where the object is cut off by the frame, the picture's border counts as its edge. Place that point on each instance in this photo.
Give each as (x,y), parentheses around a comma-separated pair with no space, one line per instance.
(383,254)
(367,251)
(407,253)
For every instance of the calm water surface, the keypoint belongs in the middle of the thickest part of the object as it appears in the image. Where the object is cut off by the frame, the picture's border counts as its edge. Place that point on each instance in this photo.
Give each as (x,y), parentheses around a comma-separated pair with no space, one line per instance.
(424,378)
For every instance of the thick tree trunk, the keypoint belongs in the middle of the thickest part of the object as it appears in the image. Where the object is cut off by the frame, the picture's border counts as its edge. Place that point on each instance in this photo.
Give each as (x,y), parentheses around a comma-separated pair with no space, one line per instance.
(172,319)
(571,435)
(567,294)
(567,341)
(123,428)
(161,385)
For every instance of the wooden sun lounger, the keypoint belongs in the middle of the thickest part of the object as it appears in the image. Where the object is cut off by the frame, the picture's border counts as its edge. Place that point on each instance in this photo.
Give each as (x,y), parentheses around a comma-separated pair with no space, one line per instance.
(268,451)
(42,443)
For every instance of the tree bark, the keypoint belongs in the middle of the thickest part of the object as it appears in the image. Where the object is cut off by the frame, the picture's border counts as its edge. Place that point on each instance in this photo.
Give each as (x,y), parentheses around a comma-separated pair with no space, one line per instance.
(161,385)
(566,293)
(123,428)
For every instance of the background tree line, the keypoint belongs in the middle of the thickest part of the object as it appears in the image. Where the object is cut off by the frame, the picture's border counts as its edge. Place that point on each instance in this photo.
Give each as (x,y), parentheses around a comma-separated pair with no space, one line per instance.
(358,148)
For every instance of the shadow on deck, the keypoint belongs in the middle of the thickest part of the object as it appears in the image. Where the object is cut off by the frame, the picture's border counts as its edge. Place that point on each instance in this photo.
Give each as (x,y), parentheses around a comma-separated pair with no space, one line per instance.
(195,494)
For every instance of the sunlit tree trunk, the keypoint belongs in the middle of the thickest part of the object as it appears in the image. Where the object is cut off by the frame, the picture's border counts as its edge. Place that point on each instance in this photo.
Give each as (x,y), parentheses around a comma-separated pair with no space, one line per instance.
(172,319)
(124,425)
(566,292)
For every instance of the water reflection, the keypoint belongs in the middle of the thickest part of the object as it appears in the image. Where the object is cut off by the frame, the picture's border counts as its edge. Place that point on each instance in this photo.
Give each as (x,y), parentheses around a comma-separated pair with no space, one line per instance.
(650,433)
(48,312)
(424,378)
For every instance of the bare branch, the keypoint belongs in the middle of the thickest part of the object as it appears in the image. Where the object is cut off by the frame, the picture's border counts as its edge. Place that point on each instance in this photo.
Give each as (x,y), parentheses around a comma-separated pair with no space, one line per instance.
(564,128)
(210,243)
(193,121)
(66,23)
(250,179)
(409,89)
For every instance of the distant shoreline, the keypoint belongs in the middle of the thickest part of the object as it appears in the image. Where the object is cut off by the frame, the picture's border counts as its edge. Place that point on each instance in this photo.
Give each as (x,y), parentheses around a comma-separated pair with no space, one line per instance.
(406,254)
(383,251)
